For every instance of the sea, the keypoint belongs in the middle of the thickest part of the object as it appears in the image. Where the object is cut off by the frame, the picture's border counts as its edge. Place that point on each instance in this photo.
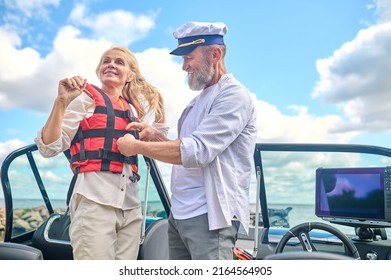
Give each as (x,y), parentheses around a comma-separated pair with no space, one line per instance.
(29,203)
(298,214)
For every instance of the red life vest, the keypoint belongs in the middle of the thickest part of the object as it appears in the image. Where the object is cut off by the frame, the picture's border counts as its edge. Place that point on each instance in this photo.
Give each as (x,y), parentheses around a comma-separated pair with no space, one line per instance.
(94,147)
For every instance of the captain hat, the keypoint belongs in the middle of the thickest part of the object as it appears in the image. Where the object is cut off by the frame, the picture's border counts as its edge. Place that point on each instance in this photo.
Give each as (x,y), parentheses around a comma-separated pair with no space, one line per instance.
(193,34)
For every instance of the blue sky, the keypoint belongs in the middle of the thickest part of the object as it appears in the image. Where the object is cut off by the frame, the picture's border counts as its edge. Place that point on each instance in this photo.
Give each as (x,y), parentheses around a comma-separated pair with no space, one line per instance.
(319,69)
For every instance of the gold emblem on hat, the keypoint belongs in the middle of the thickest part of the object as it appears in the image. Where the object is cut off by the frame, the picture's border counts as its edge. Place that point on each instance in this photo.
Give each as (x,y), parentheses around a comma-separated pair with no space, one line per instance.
(199,41)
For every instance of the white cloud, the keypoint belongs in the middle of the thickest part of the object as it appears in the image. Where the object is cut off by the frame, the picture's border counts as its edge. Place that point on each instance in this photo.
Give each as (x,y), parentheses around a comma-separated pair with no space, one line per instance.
(121,27)
(14,61)
(356,78)
(29,8)
(298,127)
(8,146)
(383,8)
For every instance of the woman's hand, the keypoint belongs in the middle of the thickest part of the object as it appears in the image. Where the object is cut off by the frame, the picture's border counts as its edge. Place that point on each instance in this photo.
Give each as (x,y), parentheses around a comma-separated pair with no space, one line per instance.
(70,88)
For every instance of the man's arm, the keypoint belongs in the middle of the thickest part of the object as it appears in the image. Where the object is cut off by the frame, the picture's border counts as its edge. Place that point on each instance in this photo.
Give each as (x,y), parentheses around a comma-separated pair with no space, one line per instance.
(165,151)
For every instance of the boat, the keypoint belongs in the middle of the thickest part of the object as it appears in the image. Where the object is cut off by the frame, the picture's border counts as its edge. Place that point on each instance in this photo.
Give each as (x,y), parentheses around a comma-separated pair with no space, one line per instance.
(298,214)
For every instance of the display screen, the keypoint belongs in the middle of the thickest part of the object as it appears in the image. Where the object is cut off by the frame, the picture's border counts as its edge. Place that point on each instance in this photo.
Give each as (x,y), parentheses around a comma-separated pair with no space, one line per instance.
(356,193)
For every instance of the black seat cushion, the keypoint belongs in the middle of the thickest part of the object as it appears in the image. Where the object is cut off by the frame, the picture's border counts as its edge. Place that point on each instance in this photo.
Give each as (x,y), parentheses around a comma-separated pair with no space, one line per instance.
(52,238)
(15,251)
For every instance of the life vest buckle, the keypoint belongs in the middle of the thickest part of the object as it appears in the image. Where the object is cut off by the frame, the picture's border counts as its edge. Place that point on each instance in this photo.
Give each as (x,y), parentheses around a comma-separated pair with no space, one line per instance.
(134,178)
(135,134)
(103,153)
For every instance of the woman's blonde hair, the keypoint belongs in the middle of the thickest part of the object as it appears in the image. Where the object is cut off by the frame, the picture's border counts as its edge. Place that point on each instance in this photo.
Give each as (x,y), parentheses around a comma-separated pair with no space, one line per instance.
(138,91)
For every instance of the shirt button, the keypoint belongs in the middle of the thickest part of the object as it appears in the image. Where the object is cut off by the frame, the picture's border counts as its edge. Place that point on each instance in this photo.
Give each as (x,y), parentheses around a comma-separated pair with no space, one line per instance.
(122,189)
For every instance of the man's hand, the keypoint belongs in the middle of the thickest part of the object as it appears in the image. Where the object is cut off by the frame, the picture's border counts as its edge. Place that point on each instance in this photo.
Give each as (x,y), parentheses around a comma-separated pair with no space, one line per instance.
(126,145)
(146,132)
(165,151)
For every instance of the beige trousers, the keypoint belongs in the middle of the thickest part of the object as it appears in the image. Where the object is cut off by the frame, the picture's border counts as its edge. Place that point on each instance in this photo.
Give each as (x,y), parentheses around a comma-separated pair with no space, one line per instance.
(101,232)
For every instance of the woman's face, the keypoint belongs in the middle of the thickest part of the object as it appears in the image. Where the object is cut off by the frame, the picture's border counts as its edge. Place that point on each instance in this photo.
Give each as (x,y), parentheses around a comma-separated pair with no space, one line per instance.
(114,69)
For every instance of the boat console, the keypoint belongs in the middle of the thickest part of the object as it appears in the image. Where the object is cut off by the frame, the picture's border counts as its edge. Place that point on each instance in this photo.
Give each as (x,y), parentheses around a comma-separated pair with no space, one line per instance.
(356,197)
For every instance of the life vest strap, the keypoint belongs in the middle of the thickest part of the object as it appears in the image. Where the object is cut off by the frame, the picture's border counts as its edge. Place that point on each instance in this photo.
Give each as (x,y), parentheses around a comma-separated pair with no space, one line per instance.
(97,133)
(105,154)
(118,113)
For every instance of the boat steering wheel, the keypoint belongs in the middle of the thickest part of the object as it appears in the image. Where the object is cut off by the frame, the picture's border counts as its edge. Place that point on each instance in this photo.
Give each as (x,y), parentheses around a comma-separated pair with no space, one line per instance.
(301,231)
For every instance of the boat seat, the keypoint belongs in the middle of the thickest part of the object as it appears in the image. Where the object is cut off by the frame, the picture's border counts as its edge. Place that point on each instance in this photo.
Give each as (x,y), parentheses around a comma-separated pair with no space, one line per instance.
(16,251)
(52,238)
(155,244)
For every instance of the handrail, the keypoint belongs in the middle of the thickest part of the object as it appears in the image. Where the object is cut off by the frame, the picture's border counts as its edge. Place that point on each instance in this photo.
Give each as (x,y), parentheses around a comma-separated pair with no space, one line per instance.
(7,193)
(313,147)
(158,181)
(7,188)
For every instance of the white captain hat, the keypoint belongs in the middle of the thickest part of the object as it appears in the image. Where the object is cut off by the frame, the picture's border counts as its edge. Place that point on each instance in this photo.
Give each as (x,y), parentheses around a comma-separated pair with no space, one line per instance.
(193,34)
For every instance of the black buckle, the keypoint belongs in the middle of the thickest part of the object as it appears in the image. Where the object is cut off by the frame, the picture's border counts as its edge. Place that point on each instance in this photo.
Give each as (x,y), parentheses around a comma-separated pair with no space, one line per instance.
(134,178)
(103,153)
(127,160)
(127,115)
(135,134)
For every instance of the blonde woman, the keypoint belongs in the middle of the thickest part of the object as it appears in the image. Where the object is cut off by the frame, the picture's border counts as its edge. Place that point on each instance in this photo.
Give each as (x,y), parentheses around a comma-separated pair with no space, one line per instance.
(87,119)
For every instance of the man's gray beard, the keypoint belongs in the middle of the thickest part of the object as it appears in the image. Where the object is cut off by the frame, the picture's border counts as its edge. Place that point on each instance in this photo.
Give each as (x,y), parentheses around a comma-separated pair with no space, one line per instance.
(201,78)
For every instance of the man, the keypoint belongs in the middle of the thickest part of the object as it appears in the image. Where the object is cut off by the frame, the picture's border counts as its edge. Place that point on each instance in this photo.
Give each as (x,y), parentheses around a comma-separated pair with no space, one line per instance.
(212,157)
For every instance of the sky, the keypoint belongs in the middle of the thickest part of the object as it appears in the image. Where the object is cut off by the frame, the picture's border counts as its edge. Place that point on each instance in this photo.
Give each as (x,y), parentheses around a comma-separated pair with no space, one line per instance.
(319,69)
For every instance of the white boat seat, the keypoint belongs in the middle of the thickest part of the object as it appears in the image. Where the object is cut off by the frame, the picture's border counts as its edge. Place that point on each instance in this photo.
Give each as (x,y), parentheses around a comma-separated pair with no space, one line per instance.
(155,243)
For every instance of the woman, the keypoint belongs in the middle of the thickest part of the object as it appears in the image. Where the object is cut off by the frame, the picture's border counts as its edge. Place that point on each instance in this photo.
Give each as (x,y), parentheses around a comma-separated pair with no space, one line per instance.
(105,207)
